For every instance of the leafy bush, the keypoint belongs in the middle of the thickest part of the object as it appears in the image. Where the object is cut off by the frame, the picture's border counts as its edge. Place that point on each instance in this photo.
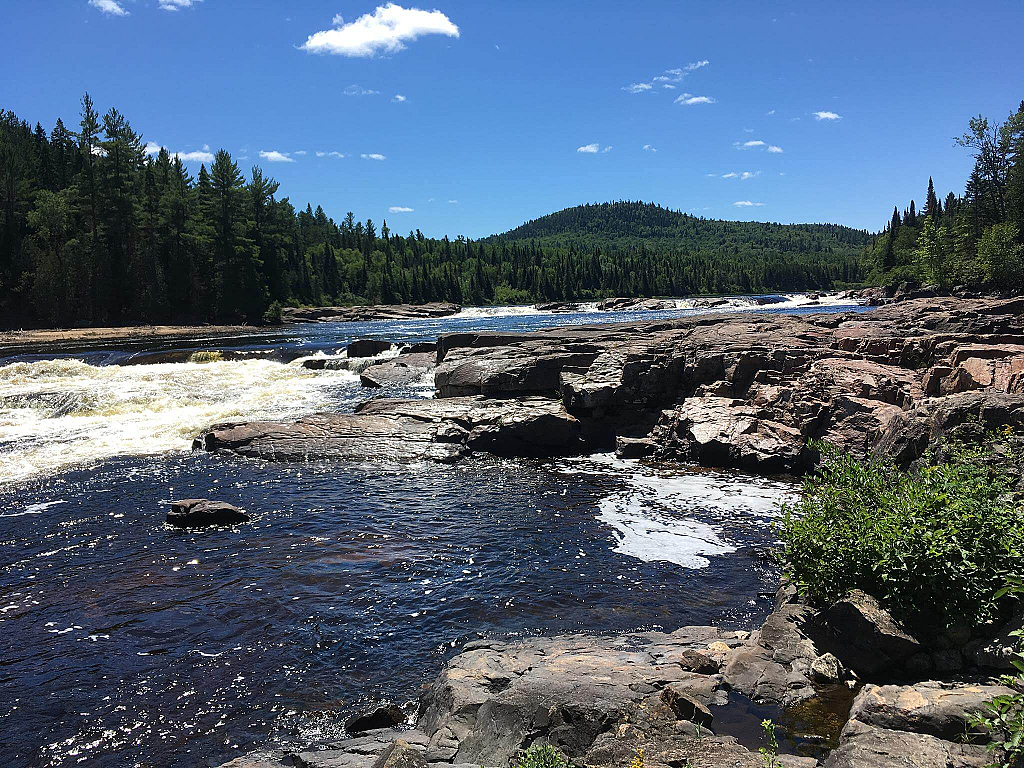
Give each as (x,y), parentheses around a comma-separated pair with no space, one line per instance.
(935,544)
(273,314)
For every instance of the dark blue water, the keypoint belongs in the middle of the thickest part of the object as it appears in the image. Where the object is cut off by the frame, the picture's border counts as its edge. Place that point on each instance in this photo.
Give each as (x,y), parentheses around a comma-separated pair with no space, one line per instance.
(125,642)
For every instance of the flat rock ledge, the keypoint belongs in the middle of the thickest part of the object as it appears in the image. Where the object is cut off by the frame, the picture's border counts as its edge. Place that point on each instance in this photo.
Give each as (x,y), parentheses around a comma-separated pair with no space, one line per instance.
(373,312)
(408,430)
(599,699)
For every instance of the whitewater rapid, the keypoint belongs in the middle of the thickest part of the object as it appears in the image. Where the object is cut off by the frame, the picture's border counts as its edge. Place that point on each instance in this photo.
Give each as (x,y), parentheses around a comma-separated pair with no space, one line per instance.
(59,414)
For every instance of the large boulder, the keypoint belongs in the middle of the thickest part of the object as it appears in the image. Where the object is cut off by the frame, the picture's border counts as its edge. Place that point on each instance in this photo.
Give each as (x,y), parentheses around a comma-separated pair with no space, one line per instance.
(399,371)
(203,513)
(865,637)
(408,430)
(865,746)
(368,347)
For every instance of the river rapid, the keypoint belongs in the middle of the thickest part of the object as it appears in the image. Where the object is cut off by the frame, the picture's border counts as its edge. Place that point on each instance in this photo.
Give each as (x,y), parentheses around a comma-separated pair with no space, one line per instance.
(125,642)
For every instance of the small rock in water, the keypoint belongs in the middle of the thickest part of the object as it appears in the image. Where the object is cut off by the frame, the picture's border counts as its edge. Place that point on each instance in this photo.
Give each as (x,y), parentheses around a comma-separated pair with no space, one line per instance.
(367,347)
(382,717)
(201,513)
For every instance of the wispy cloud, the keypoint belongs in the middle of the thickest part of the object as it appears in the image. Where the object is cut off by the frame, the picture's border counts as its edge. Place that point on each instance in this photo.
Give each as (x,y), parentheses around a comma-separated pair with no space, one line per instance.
(454,202)
(747,204)
(677,74)
(300,152)
(337,155)
(373,156)
(358,90)
(203,155)
(770,112)
(110,7)
(273,156)
(386,30)
(689,98)
(637,87)
(826,116)
(399,98)
(177,5)
(742,176)
(589,149)
(649,148)
(774,149)
(668,85)
(400,209)
(753,143)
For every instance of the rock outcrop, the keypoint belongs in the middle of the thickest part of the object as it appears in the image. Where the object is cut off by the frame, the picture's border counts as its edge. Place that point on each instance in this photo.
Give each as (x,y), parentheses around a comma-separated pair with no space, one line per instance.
(408,430)
(374,312)
(203,513)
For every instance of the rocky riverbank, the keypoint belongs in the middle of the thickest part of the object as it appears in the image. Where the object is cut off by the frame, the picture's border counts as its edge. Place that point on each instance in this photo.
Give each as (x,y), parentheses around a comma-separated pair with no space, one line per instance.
(744,391)
(372,312)
(732,390)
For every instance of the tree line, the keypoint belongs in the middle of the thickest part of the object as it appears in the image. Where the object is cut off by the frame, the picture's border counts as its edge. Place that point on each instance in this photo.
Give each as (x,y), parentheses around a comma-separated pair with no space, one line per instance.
(97,230)
(973,240)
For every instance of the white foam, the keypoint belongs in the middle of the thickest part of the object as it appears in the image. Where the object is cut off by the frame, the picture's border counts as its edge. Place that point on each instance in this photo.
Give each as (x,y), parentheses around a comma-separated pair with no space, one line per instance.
(57,414)
(654,517)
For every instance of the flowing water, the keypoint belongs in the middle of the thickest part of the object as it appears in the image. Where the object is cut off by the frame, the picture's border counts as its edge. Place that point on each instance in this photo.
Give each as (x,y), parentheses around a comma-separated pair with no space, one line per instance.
(124,642)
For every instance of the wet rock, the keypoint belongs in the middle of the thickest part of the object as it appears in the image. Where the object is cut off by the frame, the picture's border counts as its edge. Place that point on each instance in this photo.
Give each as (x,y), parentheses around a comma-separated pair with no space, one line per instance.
(338,363)
(408,430)
(203,513)
(685,707)
(557,306)
(419,348)
(399,371)
(401,754)
(935,708)
(367,347)
(865,746)
(865,637)
(382,717)
(359,314)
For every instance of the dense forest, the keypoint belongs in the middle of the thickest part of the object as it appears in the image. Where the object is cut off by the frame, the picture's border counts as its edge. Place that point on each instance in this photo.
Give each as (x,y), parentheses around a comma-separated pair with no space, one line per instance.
(974,240)
(97,228)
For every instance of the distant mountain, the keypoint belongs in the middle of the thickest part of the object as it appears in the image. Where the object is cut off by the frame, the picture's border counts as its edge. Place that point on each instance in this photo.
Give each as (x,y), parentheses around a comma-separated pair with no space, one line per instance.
(634,224)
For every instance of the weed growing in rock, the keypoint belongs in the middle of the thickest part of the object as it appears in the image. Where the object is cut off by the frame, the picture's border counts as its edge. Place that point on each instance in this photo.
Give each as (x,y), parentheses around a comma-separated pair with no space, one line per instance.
(934,543)
(638,760)
(1003,718)
(770,753)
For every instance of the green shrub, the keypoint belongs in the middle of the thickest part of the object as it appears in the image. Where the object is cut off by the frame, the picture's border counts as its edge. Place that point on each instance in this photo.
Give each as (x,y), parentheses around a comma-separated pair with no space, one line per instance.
(934,544)
(273,314)
(542,756)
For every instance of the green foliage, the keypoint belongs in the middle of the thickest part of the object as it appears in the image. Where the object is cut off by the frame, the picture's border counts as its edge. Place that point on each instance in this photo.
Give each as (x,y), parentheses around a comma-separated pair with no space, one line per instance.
(95,229)
(770,752)
(1003,716)
(542,756)
(934,543)
(273,314)
(974,239)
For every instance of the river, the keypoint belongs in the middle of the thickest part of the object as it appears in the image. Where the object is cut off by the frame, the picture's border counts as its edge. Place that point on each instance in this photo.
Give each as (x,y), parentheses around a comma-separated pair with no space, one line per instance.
(127,643)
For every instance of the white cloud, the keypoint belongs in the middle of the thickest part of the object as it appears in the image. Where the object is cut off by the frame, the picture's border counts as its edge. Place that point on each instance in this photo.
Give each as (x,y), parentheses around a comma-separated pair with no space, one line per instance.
(338,155)
(590,149)
(649,148)
(300,152)
(110,7)
(399,209)
(827,116)
(747,204)
(668,85)
(399,98)
(177,5)
(454,202)
(637,87)
(203,155)
(697,65)
(386,30)
(689,98)
(677,74)
(606,149)
(358,90)
(770,112)
(273,156)
(775,150)
(741,176)
(373,156)
(730,175)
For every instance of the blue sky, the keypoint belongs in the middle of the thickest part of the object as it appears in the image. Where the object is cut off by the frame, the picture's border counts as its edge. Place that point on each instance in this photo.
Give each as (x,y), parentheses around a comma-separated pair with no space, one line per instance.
(493,120)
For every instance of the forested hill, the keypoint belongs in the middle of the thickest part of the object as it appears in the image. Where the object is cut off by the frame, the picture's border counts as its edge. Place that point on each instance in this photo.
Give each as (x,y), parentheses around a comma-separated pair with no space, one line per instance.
(98,227)
(630,224)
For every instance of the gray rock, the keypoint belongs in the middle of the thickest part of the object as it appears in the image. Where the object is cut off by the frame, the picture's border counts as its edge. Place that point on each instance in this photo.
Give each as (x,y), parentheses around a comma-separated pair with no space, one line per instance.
(402,370)
(865,746)
(828,669)
(383,717)
(865,637)
(360,314)
(203,513)
(401,754)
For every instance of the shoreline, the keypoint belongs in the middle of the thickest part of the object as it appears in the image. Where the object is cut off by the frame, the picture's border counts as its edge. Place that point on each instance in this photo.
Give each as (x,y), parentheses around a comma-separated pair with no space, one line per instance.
(15,341)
